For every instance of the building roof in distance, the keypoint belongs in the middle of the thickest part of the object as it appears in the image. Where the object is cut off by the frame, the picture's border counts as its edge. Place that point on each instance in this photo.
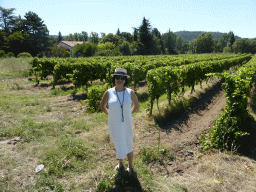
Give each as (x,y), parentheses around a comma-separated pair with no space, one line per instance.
(72,43)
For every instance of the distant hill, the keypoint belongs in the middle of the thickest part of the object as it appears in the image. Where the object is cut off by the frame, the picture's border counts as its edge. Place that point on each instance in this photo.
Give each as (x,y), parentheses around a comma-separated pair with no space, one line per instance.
(190,35)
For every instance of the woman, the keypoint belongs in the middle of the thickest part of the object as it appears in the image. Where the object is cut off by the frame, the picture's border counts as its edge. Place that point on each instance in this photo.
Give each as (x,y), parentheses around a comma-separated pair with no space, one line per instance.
(119,99)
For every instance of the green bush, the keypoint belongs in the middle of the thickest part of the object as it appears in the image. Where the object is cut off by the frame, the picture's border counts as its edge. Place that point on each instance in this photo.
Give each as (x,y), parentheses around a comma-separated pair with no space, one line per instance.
(2,53)
(85,49)
(24,54)
(227,50)
(106,46)
(124,48)
(94,98)
(66,54)
(40,55)
(10,54)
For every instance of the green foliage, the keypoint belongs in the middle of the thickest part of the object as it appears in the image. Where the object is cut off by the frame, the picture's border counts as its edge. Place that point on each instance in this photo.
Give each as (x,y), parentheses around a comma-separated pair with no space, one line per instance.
(137,48)
(67,54)
(145,36)
(124,48)
(24,54)
(167,78)
(204,43)
(85,50)
(94,98)
(227,50)
(106,49)
(2,53)
(149,155)
(10,54)
(74,148)
(169,41)
(232,124)
(58,51)
(106,46)
(45,183)
(38,33)
(115,39)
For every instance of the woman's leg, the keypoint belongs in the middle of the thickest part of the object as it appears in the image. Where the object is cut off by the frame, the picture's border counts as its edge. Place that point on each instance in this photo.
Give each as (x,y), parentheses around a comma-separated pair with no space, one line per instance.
(121,161)
(130,158)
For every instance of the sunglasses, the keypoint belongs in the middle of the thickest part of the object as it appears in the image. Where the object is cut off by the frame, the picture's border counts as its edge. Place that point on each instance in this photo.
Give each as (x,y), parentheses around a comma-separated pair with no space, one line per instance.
(120,77)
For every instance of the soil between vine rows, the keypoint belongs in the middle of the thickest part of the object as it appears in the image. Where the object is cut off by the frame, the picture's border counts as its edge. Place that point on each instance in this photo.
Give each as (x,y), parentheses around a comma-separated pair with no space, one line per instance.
(183,131)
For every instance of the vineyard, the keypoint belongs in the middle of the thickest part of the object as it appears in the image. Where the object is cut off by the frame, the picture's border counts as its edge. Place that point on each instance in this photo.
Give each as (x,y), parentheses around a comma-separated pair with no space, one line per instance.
(167,75)
(51,117)
(164,74)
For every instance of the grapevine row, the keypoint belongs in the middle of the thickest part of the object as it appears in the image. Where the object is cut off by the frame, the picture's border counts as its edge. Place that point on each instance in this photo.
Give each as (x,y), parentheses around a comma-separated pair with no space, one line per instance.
(168,79)
(233,123)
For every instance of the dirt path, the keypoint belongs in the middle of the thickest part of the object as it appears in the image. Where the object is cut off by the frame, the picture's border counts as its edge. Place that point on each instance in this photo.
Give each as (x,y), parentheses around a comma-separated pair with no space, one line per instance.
(198,118)
(183,133)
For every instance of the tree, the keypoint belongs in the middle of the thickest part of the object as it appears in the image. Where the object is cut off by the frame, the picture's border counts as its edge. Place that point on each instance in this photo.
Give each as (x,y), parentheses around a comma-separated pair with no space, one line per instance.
(76,36)
(7,18)
(204,43)
(232,39)
(94,37)
(169,40)
(18,42)
(60,37)
(85,36)
(137,48)
(58,51)
(70,37)
(111,38)
(145,36)
(3,41)
(192,46)
(38,32)
(179,44)
(102,35)
(19,25)
(124,48)
(244,45)
(135,33)
(127,37)
(156,33)
(85,49)
(118,32)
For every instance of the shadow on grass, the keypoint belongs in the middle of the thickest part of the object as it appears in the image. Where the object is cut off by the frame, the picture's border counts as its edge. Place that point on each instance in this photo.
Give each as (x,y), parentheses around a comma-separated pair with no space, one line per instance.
(248,143)
(173,117)
(79,96)
(125,182)
(142,96)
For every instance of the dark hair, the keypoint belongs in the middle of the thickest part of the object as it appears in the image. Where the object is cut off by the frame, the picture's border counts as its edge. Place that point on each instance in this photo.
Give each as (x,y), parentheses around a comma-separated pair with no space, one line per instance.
(125,83)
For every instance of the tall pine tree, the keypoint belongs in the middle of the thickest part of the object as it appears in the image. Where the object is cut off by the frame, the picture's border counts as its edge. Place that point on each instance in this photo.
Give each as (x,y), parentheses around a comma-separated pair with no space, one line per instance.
(118,32)
(145,36)
(38,32)
(7,18)
(60,37)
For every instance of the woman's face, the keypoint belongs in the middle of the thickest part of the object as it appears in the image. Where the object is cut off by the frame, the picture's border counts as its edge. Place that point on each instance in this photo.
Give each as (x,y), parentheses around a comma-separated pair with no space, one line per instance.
(119,80)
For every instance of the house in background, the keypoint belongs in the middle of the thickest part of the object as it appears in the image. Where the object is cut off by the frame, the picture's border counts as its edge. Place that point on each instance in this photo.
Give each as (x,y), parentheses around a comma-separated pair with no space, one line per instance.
(69,45)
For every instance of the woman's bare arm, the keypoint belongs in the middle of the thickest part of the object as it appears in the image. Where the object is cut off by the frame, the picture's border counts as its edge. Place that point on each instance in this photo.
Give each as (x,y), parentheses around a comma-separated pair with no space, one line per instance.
(135,101)
(104,102)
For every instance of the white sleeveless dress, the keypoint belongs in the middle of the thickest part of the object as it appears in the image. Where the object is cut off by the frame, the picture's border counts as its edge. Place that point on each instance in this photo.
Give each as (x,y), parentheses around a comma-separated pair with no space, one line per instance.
(120,132)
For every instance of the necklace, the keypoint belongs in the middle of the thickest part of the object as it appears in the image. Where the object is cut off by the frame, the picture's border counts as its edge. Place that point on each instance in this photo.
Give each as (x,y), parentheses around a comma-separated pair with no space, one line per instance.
(122,119)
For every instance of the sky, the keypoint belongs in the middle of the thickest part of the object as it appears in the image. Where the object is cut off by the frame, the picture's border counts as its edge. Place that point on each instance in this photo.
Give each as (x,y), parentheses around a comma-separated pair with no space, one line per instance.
(75,16)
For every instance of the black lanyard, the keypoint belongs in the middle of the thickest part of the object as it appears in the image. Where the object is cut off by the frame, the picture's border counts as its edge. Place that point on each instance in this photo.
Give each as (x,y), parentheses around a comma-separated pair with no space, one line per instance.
(122,119)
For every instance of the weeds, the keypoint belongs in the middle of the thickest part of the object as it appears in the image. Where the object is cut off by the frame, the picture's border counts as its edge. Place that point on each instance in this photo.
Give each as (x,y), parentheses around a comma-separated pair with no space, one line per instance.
(45,183)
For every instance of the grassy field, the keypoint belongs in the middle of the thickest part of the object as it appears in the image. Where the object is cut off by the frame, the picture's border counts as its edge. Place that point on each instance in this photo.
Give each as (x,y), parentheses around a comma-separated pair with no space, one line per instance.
(41,125)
